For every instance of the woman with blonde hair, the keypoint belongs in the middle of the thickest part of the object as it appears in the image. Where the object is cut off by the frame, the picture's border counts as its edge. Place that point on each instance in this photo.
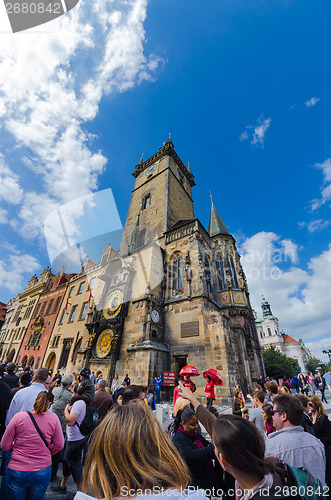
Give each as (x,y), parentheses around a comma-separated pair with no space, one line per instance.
(129,455)
(32,437)
(322,428)
(180,405)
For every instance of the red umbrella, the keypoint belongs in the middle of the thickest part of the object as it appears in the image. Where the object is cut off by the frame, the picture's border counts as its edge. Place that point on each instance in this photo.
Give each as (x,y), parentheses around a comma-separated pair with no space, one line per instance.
(189,371)
(215,376)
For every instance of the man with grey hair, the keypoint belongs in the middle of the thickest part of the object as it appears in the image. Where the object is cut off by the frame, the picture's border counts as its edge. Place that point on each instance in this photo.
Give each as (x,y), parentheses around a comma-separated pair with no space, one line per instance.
(103,401)
(62,396)
(24,399)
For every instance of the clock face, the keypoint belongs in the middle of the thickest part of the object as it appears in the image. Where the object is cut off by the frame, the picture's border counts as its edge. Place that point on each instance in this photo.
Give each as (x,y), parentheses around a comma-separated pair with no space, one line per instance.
(150,170)
(181,176)
(113,304)
(155,316)
(104,343)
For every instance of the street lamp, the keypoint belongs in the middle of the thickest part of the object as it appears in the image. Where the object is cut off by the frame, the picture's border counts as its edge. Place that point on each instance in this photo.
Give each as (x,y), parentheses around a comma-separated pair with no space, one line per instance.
(327,351)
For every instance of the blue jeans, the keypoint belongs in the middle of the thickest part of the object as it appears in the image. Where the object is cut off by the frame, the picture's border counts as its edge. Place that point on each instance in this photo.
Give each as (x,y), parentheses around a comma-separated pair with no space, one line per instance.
(28,485)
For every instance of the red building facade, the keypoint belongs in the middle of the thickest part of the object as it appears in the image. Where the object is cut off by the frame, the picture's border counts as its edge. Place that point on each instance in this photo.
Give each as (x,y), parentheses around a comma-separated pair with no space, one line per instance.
(39,330)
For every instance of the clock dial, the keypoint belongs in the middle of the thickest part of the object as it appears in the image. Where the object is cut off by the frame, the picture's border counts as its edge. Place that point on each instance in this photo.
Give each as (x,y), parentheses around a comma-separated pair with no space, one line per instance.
(113,304)
(150,170)
(104,343)
(155,316)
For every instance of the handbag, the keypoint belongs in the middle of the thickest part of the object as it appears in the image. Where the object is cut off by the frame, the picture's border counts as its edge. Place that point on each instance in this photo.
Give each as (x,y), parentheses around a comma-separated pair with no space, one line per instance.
(37,428)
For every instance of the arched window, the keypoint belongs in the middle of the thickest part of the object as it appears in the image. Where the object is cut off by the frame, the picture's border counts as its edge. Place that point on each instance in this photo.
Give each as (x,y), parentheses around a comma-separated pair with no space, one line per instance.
(146,201)
(269,332)
(177,275)
(232,271)
(207,276)
(220,273)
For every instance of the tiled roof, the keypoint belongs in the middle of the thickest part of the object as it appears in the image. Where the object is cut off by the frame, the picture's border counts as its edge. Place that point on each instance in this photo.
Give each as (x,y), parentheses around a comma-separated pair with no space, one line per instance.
(289,339)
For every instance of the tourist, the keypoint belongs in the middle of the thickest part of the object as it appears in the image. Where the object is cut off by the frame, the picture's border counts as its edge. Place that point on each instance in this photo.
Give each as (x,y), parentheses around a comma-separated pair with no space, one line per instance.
(57,378)
(93,378)
(177,390)
(290,443)
(133,392)
(256,413)
(327,378)
(322,429)
(272,389)
(103,401)
(24,381)
(29,468)
(306,422)
(127,380)
(10,377)
(24,399)
(238,407)
(5,399)
(115,384)
(209,390)
(74,414)
(62,396)
(157,387)
(295,384)
(119,392)
(284,390)
(267,417)
(311,382)
(118,467)
(181,404)
(150,398)
(197,452)
(303,384)
(320,384)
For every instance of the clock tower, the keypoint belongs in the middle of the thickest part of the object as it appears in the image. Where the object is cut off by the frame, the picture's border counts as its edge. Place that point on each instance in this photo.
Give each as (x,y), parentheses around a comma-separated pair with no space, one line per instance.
(162,195)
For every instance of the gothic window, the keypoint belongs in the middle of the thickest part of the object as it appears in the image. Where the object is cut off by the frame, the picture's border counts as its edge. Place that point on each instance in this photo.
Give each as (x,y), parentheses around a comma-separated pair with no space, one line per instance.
(177,275)
(220,273)
(232,271)
(207,277)
(146,201)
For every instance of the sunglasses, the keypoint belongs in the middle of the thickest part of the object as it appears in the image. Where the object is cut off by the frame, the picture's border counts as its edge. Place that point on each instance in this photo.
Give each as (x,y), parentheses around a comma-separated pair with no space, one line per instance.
(273,412)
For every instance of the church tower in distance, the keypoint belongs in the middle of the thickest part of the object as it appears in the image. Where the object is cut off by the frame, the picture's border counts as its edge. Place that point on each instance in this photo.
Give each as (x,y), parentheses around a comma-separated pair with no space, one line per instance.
(195,309)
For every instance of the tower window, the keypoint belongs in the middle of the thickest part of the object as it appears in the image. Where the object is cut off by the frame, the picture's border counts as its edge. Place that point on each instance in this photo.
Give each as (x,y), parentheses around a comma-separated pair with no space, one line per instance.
(269,331)
(146,201)
(177,275)
(232,272)
(220,272)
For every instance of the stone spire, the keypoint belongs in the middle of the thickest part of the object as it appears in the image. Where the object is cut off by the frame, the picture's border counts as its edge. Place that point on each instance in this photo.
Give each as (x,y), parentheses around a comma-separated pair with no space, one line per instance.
(216,225)
(266,309)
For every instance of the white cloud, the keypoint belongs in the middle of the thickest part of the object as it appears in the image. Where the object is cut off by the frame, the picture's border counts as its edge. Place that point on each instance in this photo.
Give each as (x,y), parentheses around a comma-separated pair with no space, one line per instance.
(256,133)
(312,102)
(326,187)
(3,216)
(15,271)
(315,225)
(298,297)
(10,190)
(96,49)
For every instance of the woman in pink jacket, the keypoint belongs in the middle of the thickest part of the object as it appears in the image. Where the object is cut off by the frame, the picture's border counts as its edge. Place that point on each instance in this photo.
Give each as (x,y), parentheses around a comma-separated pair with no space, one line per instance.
(209,390)
(32,437)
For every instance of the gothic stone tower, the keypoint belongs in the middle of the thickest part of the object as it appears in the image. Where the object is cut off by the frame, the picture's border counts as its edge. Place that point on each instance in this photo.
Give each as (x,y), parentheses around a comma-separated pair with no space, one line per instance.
(198,311)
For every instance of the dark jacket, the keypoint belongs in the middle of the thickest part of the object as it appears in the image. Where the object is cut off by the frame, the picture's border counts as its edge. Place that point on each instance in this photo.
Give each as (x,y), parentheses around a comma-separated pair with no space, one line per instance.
(196,459)
(11,379)
(236,408)
(118,393)
(5,399)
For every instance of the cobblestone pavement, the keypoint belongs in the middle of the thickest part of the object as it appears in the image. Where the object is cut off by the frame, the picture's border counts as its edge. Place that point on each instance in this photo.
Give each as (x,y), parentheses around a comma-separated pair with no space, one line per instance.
(226,408)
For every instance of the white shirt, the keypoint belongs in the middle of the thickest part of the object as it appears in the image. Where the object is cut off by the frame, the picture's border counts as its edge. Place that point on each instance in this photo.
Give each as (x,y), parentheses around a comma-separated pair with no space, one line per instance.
(24,399)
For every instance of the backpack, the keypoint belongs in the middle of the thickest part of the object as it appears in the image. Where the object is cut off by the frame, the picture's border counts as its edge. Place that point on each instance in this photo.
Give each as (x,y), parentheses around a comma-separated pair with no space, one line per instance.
(91,420)
(297,482)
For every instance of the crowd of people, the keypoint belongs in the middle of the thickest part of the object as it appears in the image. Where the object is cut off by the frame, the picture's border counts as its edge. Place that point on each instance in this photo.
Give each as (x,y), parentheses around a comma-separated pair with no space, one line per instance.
(113,446)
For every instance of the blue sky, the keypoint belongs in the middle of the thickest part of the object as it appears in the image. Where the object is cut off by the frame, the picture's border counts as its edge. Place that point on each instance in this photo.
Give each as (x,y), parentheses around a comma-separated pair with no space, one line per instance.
(243,87)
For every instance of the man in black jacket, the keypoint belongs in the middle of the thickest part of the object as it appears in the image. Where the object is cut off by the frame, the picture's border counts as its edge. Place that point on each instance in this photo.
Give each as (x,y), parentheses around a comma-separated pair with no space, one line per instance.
(10,378)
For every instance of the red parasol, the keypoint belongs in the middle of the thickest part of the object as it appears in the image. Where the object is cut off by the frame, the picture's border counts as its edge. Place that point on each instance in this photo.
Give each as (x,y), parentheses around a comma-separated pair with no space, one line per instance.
(215,376)
(189,371)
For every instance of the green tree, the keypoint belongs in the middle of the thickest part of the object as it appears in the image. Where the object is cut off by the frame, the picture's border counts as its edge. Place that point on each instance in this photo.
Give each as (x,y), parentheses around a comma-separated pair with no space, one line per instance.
(277,364)
(314,363)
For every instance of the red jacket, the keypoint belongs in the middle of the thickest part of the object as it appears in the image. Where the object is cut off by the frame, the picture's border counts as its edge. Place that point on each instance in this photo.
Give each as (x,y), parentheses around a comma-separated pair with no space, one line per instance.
(209,390)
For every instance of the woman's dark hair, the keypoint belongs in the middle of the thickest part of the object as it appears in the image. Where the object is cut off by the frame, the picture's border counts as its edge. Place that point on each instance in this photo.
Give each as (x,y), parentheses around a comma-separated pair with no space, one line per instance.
(241,444)
(208,378)
(267,410)
(132,392)
(183,416)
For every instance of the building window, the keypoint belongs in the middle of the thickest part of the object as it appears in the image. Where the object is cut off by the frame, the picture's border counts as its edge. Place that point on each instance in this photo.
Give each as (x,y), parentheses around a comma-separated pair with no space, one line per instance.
(29,309)
(36,311)
(80,289)
(49,307)
(43,307)
(56,305)
(37,363)
(72,315)
(220,273)
(56,340)
(146,201)
(231,270)
(269,332)
(62,318)
(71,291)
(92,283)
(177,275)
(83,311)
